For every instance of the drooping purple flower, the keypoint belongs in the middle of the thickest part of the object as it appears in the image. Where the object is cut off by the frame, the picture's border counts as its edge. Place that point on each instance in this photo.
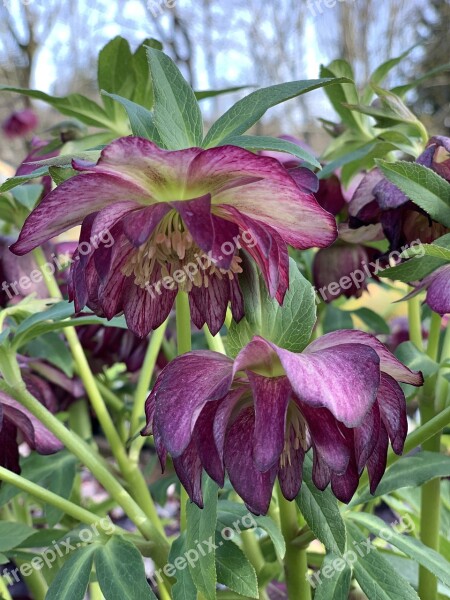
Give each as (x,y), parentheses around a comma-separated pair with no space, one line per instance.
(377,200)
(254,418)
(20,123)
(344,268)
(437,286)
(178,220)
(17,423)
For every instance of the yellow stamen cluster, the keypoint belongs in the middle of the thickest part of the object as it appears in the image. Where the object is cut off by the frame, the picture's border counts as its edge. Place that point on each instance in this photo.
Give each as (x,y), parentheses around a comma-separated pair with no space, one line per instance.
(172,247)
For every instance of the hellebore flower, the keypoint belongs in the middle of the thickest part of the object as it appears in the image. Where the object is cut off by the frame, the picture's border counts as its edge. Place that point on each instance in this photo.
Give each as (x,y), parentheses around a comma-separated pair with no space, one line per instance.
(256,417)
(377,200)
(437,285)
(35,155)
(344,268)
(20,123)
(14,419)
(177,220)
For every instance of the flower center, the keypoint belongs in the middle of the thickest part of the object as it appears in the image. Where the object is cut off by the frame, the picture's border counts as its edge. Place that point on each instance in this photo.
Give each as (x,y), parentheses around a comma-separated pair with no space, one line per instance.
(295,436)
(172,247)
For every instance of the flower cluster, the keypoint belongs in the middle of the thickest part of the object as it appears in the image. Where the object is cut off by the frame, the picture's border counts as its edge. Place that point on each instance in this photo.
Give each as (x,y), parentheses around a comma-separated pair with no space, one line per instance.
(254,418)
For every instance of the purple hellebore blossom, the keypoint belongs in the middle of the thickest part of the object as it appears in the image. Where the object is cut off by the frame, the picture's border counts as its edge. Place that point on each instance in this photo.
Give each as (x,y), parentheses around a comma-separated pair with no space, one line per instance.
(377,200)
(437,285)
(178,220)
(14,418)
(256,417)
(19,123)
(344,268)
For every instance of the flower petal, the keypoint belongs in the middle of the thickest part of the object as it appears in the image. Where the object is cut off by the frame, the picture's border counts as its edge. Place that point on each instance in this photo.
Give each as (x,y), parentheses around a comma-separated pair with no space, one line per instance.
(438,294)
(344,486)
(140,224)
(376,465)
(254,487)
(388,363)
(271,397)
(189,470)
(291,473)
(70,203)
(392,405)
(186,384)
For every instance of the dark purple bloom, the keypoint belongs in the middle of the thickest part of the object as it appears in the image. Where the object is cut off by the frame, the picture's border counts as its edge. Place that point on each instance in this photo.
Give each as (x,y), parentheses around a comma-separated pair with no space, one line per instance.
(20,123)
(437,285)
(256,417)
(17,422)
(178,220)
(344,268)
(377,200)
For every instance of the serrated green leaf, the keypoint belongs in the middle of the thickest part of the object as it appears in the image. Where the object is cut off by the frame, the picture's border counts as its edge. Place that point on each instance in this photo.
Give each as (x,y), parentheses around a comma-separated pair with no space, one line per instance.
(201,525)
(72,579)
(429,250)
(260,142)
(360,153)
(235,570)
(230,512)
(415,549)
(141,119)
(204,94)
(374,573)
(13,182)
(74,105)
(120,571)
(337,586)
(382,71)
(423,186)
(115,73)
(410,471)
(321,512)
(289,326)
(414,269)
(246,112)
(143,91)
(177,115)
(28,195)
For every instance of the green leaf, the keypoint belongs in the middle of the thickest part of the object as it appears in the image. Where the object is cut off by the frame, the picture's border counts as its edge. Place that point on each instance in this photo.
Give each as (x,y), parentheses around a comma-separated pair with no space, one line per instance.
(423,186)
(337,585)
(72,579)
(374,573)
(288,326)
(74,105)
(143,90)
(412,357)
(411,471)
(120,571)
(13,534)
(414,269)
(246,112)
(230,512)
(61,174)
(28,195)
(428,558)
(201,526)
(13,182)
(235,570)
(321,512)
(429,250)
(115,73)
(177,115)
(52,348)
(141,119)
(260,142)
(184,589)
(344,93)
(382,71)
(204,94)
(61,482)
(335,319)
(348,157)
(401,90)
(375,323)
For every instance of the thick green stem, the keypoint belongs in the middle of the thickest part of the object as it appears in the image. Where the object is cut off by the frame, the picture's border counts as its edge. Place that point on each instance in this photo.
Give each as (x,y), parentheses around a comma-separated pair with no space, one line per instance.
(415,322)
(215,342)
(131,473)
(145,378)
(255,556)
(184,342)
(434,335)
(295,560)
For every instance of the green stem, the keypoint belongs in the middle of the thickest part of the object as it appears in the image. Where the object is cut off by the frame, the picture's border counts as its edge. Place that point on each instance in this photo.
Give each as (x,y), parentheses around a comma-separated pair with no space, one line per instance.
(184,345)
(434,336)
(35,582)
(415,322)
(253,552)
(145,378)
(79,420)
(295,560)
(4,592)
(215,342)
(130,471)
